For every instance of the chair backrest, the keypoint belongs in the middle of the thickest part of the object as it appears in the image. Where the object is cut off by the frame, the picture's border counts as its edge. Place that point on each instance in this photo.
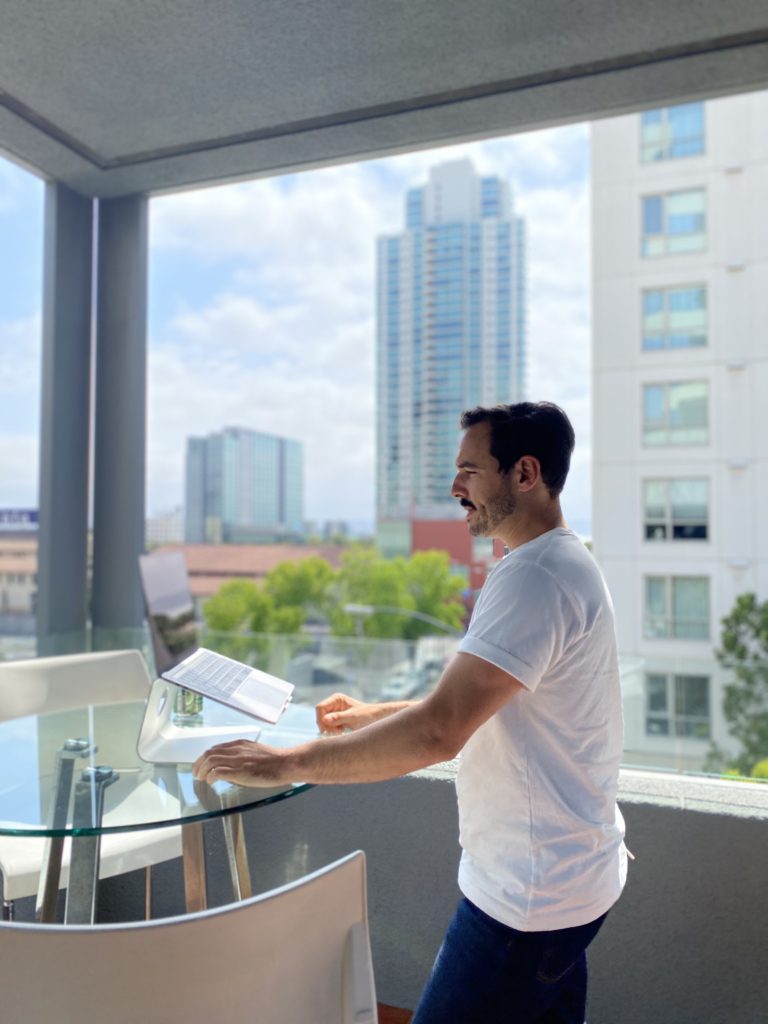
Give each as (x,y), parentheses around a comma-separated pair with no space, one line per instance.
(299,954)
(73,680)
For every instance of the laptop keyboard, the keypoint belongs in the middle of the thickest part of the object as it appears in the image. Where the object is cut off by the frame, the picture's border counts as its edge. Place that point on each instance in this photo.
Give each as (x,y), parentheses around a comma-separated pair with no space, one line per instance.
(212,674)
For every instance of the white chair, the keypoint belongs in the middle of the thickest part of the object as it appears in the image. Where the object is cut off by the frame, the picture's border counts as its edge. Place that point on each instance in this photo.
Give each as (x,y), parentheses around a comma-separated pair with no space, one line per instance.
(61,684)
(299,954)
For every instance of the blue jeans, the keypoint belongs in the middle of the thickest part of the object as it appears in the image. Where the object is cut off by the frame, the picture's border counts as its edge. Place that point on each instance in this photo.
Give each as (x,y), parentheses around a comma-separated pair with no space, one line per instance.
(488,973)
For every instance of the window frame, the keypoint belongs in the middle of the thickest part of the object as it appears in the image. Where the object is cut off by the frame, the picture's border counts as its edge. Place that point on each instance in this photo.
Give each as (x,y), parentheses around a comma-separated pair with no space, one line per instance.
(671,623)
(668,331)
(647,250)
(668,429)
(676,721)
(669,523)
(667,138)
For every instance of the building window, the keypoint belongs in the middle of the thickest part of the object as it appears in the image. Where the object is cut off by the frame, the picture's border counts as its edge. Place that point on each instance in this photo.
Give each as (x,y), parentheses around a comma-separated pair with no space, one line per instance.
(674,223)
(677,607)
(672,132)
(674,317)
(676,509)
(677,705)
(676,413)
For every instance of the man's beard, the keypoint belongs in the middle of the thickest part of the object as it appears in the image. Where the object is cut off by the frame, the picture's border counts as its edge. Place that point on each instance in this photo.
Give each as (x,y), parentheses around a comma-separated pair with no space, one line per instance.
(496,510)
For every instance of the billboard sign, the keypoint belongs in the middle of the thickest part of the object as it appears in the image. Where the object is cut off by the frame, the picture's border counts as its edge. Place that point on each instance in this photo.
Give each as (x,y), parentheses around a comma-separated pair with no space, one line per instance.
(14,520)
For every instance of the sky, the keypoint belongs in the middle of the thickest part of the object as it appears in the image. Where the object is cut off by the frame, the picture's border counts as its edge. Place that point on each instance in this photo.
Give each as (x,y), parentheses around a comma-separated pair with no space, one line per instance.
(261,314)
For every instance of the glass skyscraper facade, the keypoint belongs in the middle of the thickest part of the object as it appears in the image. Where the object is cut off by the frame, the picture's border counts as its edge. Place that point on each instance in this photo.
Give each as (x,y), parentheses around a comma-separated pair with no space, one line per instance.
(451,334)
(243,486)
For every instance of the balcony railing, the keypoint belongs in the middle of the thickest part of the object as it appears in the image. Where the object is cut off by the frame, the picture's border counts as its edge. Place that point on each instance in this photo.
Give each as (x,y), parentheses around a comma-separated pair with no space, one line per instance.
(683,944)
(673,707)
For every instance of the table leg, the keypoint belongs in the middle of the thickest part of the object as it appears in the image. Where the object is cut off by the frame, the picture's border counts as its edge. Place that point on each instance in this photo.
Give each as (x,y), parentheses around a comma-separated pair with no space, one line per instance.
(234,838)
(87,812)
(193,853)
(53,849)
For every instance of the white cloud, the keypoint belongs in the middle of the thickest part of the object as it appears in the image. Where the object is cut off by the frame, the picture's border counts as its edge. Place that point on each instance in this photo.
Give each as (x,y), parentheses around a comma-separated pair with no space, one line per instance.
(332,419)
(20,362)
(18,478)
(287,345)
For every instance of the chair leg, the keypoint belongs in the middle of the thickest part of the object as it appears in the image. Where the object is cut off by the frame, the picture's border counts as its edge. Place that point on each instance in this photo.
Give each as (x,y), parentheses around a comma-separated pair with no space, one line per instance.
(148,892)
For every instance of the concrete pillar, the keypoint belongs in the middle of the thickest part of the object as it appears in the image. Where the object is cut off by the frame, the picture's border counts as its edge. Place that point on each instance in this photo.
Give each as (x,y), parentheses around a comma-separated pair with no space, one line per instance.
(65,420)
(120,420)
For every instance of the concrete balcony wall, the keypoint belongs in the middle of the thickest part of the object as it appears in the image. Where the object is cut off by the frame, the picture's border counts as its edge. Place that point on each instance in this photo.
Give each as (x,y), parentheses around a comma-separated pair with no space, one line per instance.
(683,946)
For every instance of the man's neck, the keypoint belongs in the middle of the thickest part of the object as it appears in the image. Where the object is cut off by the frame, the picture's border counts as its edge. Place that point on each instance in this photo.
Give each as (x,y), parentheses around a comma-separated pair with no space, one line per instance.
(523,527)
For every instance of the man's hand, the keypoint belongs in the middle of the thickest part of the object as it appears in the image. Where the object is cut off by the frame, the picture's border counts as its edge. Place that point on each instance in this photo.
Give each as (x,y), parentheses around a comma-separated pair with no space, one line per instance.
(339,712)
(244,762)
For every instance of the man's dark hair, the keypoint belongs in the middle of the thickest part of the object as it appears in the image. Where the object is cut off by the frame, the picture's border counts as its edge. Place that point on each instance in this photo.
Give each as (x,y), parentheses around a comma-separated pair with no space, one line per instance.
(540,429)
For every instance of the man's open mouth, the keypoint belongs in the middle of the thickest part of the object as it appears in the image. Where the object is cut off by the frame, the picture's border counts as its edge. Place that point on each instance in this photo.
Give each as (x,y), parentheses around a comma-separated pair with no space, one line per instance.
(467,504)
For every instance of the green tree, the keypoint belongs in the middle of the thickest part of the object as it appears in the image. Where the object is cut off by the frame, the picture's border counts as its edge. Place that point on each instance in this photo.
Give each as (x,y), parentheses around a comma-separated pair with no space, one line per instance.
(422,583)
(435,590)
(366,578)
(744,651)
(240,609)
(232,606)
(305,584)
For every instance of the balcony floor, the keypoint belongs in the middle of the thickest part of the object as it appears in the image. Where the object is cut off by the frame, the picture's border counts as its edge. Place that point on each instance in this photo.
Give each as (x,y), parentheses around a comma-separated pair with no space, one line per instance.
(393,1015)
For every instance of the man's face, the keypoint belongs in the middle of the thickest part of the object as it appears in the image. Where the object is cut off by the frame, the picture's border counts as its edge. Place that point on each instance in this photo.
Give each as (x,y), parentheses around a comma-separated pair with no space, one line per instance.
(488,495)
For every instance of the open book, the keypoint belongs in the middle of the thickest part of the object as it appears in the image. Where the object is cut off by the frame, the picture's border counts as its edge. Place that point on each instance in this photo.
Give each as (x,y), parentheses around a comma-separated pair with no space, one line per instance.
(230,682)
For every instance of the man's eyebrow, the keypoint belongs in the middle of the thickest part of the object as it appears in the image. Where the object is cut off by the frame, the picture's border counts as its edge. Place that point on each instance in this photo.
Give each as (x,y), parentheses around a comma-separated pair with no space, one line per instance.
(466,464)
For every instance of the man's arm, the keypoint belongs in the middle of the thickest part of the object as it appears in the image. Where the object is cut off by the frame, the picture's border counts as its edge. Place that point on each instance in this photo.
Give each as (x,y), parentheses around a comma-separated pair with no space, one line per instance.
(340,712)
(434,729)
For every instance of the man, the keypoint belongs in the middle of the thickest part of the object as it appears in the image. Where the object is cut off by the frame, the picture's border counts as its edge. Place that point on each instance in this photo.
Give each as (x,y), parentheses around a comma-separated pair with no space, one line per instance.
(532,700)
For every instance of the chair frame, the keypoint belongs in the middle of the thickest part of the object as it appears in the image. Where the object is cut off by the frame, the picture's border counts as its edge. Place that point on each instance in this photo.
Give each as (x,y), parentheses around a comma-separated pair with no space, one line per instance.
(298,953)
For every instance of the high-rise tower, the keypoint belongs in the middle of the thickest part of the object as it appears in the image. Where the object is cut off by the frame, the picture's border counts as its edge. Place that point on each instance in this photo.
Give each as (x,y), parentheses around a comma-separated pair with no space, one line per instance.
(243,486)
(451,335)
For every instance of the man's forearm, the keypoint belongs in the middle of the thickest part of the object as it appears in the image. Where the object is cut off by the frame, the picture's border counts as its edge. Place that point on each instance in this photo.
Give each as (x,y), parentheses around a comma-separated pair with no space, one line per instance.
(403,740)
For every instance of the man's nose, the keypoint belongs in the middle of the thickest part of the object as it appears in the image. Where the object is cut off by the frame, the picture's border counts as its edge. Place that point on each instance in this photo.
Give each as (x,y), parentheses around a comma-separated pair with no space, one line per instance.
(457,488)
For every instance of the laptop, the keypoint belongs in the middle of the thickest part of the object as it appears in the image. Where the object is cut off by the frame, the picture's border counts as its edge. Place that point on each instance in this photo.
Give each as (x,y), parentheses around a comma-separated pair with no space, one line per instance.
(237,694)
(232,683)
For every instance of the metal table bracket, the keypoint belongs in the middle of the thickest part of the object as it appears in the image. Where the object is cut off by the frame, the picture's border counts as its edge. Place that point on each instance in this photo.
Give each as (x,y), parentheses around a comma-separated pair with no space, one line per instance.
(87,812)
(53,849)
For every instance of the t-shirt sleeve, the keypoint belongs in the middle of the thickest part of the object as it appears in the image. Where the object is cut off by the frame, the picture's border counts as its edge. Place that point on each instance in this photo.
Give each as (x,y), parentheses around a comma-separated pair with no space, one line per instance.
(522,622)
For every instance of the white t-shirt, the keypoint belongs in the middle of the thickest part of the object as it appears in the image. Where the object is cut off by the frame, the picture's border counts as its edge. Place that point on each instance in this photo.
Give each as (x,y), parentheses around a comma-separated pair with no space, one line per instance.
(541,834)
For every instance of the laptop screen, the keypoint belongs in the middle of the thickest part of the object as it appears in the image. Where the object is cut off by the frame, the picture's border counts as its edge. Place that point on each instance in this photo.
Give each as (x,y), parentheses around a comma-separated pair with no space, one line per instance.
(169,606)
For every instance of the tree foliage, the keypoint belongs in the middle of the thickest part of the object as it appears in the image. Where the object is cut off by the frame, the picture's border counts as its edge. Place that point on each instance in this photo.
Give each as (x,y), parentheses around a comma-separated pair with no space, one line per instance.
(422,584)
(305,584)
(293,591)
(744,652)
(435,589)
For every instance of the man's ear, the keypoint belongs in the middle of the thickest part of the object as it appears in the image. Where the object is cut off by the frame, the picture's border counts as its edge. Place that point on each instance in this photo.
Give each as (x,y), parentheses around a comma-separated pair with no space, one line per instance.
(530,472)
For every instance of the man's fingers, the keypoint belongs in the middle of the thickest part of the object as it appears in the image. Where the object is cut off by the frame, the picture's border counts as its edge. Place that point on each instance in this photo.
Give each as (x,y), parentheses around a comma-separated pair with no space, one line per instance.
(218,758)
(333,722)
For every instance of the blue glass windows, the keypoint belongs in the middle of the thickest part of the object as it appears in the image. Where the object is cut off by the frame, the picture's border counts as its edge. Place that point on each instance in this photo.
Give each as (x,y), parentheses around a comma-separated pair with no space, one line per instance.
(674,222)
(672,132)
(677,705)
(677,607)
(676,413)
(676,509)
(675,317)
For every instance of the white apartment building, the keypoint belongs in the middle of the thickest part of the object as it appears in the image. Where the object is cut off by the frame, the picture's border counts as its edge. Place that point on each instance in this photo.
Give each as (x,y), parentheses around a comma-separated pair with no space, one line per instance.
(680,402)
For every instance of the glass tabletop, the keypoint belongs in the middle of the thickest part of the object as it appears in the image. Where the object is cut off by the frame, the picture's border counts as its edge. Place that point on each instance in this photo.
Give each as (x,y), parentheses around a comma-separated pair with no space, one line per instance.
(79,772)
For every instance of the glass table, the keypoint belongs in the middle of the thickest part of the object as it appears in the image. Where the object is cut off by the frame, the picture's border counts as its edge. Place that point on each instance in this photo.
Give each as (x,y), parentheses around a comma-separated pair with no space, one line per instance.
(77,774)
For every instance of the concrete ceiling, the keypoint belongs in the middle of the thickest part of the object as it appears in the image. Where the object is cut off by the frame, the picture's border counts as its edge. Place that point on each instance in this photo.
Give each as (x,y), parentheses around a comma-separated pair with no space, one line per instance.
(118,96)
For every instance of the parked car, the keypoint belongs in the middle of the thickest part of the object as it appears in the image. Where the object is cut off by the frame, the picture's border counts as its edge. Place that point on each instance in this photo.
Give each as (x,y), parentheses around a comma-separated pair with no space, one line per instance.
(401,685)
